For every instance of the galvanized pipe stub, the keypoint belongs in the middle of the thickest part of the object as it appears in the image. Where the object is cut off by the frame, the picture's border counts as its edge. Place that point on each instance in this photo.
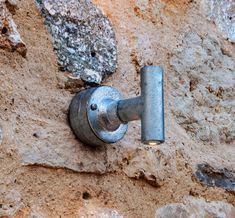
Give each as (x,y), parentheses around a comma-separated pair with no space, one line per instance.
(152,93)
(100,115)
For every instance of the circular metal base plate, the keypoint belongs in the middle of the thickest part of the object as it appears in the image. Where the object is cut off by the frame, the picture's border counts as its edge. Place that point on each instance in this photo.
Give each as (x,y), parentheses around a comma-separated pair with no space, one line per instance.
(102,97)
(85,115)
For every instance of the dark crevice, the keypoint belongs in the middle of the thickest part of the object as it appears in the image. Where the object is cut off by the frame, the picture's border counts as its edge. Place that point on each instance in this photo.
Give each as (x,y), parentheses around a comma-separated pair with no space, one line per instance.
(4,30)
(86,196)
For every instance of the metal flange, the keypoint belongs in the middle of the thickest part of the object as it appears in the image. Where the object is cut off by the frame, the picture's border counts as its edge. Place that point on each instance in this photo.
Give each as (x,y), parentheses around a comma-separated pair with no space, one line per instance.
(90,118)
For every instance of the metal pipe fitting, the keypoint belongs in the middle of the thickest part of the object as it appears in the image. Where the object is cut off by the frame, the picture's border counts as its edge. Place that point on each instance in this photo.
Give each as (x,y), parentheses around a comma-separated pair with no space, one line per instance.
(100,115)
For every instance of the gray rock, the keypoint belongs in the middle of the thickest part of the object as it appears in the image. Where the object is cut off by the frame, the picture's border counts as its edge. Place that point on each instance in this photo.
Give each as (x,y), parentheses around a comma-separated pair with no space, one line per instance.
(173,211)
(196,208)
(11,202)
(9,37)
(202,87)
(223,14)
(83,37)
(98,213)
(34,213)
(13,2)
(213,177)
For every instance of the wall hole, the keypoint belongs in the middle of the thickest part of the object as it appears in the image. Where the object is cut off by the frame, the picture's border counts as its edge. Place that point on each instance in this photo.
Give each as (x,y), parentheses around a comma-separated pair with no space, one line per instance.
(86,196)
(4,30)
(93,54)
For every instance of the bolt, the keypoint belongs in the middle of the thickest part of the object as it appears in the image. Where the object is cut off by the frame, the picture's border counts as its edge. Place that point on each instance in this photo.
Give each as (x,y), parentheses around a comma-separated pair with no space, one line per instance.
(94,107)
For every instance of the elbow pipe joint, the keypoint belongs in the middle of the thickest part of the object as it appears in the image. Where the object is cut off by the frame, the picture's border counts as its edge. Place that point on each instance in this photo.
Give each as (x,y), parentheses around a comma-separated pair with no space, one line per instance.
(100,115)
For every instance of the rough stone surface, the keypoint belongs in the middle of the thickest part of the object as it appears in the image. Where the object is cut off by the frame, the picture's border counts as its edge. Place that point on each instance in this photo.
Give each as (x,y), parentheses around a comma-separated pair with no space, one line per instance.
(10,202)
(83,38)
(13,2)
(98,213)
(1,135)
(223,14)
(153,165)
(9,36)
(202,98)
(59,176)
(197,208)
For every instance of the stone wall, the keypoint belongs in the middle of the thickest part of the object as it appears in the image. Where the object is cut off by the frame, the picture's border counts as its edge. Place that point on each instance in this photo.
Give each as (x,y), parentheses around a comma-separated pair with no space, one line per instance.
(51,49)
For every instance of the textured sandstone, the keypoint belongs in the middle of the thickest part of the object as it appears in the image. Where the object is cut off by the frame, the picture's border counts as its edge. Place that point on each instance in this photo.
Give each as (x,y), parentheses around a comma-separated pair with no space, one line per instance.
(83,37)
(203,109)
(137,161)
(60,177)
(9,37)
(1,135)
(197,208)
(223,14)
(202,97)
